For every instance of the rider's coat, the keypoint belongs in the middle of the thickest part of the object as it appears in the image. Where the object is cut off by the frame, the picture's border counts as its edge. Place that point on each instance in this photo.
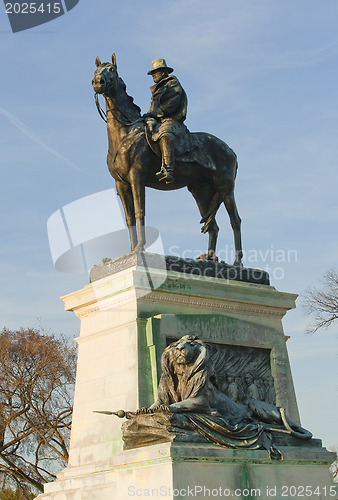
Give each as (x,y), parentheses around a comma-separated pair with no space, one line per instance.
(169,100)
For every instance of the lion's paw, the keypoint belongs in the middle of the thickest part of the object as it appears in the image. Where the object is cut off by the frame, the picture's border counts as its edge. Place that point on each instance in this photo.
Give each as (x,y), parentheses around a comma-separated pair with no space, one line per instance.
(142,411)
(161,408)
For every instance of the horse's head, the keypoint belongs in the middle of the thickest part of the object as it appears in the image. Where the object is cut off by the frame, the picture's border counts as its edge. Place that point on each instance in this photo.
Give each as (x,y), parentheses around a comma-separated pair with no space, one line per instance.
(105,77)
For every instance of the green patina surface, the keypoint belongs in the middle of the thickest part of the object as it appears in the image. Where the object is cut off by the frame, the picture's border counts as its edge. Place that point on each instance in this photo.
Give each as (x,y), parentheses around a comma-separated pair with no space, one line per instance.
(149,357)
(217,327)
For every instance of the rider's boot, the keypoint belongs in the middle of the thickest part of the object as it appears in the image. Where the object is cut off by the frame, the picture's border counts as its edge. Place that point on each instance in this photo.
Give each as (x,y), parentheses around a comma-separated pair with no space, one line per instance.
(166,174)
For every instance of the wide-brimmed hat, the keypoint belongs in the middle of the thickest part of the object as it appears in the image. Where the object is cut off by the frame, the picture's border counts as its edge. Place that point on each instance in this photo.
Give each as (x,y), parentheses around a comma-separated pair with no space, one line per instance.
(159,64)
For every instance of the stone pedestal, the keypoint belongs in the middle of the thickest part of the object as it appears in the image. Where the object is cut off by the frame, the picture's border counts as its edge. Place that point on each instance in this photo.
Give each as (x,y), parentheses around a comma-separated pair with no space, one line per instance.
(180,471)
(127,319)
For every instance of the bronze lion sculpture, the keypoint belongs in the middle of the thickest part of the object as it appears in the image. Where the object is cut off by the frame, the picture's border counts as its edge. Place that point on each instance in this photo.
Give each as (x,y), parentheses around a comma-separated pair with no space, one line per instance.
(191,408)
(188,384)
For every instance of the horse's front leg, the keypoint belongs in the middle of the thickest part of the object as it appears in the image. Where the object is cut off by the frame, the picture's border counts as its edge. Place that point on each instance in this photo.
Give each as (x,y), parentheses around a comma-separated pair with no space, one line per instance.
(138,189)
(125,193)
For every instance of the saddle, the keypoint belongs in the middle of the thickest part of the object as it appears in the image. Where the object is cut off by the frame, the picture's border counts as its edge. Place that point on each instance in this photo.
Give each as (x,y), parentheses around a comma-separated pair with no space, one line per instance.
(188,147)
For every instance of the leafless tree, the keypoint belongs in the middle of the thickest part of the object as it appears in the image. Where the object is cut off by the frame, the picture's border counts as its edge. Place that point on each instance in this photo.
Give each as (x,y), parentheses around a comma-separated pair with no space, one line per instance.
(18,494)
(322,304)
(334,471)
(334,466)
(37,374)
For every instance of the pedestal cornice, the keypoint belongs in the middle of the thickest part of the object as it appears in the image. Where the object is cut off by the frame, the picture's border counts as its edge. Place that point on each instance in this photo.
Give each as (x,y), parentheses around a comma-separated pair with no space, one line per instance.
(161,287)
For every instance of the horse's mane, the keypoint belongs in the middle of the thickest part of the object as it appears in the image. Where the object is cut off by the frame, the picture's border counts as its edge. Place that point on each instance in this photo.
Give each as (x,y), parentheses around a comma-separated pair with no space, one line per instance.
(126,102)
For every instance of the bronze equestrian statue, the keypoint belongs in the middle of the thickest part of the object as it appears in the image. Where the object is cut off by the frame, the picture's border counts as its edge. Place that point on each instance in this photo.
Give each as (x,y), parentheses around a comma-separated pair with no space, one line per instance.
(136,159)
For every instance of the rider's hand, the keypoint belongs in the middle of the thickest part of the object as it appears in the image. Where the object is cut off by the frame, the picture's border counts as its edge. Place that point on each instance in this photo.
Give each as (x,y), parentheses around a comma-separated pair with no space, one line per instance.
(151,122)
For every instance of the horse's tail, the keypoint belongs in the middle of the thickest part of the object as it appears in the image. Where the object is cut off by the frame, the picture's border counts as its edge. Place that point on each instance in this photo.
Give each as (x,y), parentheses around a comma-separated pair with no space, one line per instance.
(236,168)
(214,206)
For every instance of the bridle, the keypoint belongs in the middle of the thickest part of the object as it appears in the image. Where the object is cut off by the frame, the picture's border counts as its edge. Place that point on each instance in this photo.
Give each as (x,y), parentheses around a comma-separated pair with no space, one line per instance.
(105,118)
(101,112)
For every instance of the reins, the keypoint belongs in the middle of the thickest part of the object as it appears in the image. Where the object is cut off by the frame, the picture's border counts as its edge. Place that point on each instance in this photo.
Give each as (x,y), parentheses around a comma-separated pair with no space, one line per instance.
(105,119)
(104,115)
(99,109)
(149,143)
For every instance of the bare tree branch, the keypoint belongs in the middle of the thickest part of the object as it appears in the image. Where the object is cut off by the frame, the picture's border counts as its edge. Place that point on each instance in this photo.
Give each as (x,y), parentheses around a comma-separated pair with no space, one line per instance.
(322,304)
(37,374)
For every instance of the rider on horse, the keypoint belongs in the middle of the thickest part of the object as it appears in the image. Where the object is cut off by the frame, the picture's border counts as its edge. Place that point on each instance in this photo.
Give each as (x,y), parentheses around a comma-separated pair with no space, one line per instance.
(166,115)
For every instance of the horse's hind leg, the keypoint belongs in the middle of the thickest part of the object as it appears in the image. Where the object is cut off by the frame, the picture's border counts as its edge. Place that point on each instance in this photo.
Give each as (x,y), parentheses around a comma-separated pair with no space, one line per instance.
(206,200)
(213,230)
(235,221)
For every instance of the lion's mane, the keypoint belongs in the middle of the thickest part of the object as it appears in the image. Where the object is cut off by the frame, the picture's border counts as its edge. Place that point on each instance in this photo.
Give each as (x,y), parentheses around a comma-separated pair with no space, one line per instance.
(180,382)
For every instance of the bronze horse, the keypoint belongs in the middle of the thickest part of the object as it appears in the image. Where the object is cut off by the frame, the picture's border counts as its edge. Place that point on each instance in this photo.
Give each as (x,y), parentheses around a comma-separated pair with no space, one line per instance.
(133,163)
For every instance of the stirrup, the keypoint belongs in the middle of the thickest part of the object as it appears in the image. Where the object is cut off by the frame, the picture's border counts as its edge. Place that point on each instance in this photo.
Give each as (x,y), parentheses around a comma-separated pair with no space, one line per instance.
(169,179)
(165,175)
(161,174)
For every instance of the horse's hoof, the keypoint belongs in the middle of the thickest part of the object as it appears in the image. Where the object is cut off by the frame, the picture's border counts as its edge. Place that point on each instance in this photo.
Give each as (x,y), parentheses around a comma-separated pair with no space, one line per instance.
(207,256)
(138,249)
(237,263)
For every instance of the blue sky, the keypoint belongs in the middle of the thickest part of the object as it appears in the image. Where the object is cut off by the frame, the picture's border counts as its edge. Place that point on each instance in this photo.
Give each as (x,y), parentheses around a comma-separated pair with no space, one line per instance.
(260,75)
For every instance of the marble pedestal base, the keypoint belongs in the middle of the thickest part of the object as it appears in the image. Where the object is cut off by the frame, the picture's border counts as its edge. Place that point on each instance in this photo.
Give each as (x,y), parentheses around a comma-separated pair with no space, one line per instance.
(127,318)
(179,471)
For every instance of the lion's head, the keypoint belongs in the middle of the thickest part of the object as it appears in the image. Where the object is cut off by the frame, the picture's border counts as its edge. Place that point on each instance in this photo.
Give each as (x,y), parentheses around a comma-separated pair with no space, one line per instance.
(187,350)
(186,370)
